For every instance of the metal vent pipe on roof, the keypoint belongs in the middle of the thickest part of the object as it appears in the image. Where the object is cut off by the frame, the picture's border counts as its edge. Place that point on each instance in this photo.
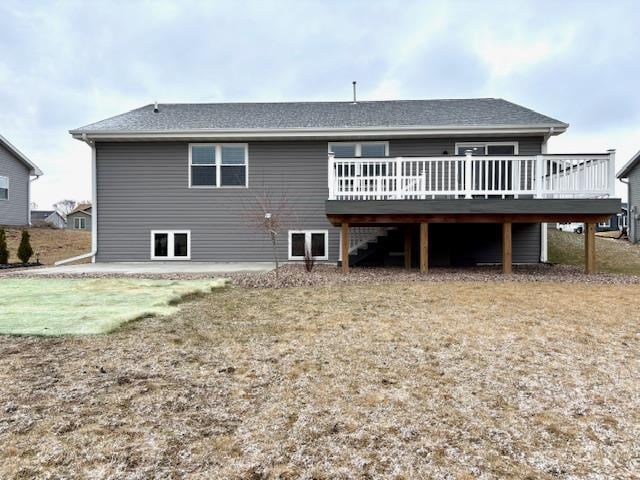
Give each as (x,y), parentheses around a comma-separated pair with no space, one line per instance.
(155,108)
(354,92)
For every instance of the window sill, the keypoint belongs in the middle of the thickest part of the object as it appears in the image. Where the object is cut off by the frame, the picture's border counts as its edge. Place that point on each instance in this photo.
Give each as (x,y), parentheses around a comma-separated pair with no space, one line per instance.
(301,259)
(205,187)
(167,259)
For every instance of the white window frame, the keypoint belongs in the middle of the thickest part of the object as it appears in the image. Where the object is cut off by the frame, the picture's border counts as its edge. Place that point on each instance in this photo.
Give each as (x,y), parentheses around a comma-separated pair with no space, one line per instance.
(8,187)
(170,245)
(359,146)
(307,243)
(218,164)
(515,145)
(606,224)
(79,220)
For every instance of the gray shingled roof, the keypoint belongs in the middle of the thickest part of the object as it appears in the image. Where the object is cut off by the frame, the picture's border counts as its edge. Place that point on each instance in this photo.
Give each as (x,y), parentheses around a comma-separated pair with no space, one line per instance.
(40,214)
(175,117)
(629,166)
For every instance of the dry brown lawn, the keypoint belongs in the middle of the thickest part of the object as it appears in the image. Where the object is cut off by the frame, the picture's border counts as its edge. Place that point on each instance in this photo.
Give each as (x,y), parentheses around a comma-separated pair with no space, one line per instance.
(49,244)
(405,380)
(612,255)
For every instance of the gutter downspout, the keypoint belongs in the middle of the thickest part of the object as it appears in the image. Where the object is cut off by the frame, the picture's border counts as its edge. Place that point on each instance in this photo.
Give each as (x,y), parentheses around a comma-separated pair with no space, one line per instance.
(31,180)
(544,228)
(94,210)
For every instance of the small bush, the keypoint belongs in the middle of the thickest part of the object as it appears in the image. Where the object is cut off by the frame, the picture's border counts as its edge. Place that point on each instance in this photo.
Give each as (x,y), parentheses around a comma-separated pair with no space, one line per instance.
(24,250)
(4,251)
(309,261)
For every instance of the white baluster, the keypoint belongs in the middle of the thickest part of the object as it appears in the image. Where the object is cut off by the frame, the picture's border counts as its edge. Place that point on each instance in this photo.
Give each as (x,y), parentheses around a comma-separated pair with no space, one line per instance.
(540,175)
(467,173)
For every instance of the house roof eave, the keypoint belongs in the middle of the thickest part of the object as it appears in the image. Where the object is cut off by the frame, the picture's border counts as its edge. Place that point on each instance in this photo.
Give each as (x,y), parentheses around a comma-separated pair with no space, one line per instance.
(390,132)
(624,171)
(34,170)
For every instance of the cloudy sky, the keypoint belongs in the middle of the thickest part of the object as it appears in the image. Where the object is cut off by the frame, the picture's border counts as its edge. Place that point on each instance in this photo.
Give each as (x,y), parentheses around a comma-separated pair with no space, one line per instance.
(66,64)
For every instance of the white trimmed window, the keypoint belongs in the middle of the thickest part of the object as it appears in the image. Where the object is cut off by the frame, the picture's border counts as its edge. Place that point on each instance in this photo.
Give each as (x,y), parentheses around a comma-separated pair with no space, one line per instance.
(606,224)
(487,148)
(214,165)
(170,245)
(314,241)
(80,223)
(4,188)
(359,149)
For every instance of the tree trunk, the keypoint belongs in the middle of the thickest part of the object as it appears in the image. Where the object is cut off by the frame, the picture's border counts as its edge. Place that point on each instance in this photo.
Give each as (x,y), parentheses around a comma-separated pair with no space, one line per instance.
(275,252)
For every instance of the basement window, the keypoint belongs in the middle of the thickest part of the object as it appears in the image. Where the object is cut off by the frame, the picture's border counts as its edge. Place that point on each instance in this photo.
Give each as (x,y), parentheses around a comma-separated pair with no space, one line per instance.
(4,188)
(170,244)
(312,241)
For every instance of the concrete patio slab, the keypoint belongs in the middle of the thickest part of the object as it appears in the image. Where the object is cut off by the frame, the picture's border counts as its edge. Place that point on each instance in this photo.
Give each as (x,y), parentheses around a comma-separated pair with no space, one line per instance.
(149,268)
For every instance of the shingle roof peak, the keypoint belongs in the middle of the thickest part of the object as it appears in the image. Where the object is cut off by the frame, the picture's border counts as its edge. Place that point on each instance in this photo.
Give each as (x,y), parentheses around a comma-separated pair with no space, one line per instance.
(462,113)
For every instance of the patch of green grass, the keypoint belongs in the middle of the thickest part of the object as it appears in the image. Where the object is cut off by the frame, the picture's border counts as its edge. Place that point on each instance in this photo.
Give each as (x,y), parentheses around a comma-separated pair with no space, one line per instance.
(612,256)
(39,306)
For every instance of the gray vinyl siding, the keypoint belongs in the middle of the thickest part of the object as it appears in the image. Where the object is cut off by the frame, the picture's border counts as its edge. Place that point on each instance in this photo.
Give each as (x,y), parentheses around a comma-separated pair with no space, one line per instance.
(634,205)
(143,186)
(71,221)
(15,210)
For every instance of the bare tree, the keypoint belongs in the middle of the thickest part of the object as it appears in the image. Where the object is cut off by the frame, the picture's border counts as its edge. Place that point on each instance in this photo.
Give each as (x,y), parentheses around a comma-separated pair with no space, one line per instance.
(269,214)
(65,206)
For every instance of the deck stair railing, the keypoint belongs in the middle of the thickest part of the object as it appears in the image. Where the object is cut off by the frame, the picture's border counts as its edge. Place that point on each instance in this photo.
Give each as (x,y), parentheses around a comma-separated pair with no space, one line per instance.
(361,236)
(470,176)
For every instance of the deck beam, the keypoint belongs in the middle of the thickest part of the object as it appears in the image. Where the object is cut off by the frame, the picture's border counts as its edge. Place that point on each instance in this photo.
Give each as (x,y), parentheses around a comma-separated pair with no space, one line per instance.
(507,248)
(344,247)
(590,248)
(424,247)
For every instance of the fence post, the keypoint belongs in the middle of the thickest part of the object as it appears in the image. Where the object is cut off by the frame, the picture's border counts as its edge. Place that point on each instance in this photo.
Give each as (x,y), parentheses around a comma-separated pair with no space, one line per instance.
(539,176)
(331,176)
(467,173)
(611,172)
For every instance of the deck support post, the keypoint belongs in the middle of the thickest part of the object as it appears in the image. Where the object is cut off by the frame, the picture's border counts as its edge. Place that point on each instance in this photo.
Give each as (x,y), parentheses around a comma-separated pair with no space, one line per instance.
(407,247)
(507,252)
(424,247)
(344,247)
(590,248)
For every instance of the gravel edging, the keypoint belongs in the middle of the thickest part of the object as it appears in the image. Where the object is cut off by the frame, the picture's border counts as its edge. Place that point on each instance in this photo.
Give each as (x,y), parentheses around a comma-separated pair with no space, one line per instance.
(294,275)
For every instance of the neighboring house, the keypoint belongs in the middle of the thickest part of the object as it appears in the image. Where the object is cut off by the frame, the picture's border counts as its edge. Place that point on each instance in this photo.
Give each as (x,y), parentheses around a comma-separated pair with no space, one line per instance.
(630,174)
(614,222)
(80,217)
(458,182)
(16,174)
(47,217)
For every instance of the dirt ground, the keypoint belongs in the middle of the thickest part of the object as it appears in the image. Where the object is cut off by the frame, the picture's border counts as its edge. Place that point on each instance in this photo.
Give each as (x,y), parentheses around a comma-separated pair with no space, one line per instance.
(49,244)
(401,380)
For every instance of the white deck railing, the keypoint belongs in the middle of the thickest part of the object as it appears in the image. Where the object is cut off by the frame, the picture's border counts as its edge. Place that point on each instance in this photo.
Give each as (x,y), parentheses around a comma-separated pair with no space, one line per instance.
(536,176)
